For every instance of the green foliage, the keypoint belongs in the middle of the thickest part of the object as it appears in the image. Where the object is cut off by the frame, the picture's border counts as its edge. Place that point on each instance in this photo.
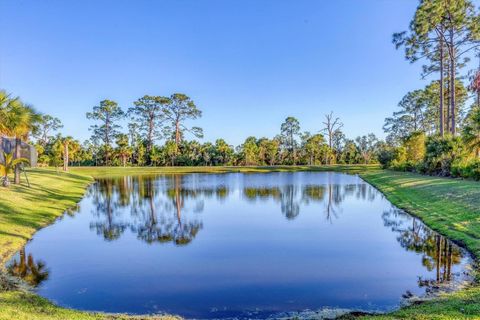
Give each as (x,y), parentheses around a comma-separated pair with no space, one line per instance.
(148,113)
(410,118)
(434,155)
(180,108)
(316,150)
(392,157)
(471,131)
(249,152)
(449,206)
(108,113)
(466,168)
(415,147)
(123,150)
(223,153)
(367,146)
(290,130)
(7,166)
(45,127)
(441,152)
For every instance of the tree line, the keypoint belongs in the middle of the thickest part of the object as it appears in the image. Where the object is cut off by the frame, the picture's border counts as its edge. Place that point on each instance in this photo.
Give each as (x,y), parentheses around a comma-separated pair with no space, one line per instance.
(437,128)
(157,131)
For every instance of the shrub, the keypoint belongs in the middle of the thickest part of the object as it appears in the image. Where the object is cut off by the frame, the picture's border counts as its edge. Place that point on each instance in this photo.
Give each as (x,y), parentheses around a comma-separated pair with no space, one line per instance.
(43,160)
(441,152)
(469,169)
(386,156)
(392,157)
(415,147)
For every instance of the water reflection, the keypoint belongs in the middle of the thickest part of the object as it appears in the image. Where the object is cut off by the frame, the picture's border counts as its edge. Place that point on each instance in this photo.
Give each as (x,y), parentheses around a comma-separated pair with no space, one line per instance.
(157,206)
(107,197)
(438,253)
(213,246)
(31,271)
(167,210)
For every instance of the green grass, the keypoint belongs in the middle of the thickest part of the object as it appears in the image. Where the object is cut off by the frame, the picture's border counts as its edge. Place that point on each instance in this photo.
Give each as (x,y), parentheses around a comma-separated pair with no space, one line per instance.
(28,306)
(99,172)
(24,210)
(449,206)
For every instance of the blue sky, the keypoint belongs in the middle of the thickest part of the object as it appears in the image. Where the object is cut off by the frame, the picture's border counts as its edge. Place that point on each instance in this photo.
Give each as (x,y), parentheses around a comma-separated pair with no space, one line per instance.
(247,64)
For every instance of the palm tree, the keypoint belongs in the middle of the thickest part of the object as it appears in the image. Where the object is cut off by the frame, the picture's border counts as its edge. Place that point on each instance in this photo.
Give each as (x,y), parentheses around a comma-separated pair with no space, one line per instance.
(70,147)
(16,120)
(9,163)
(124,151)
(27,269)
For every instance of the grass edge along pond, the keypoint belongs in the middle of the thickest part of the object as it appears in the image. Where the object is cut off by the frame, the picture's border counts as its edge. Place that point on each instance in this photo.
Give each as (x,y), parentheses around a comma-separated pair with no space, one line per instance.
(447,205)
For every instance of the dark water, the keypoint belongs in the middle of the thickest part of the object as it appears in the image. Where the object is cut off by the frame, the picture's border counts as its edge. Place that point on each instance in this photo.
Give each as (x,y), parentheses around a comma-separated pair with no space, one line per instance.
(225,245)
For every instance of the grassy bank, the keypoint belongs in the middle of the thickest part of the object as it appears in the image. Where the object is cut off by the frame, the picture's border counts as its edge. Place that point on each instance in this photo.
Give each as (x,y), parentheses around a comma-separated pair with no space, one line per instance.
(450,206)
(28,306)
(24,210)
(100,172)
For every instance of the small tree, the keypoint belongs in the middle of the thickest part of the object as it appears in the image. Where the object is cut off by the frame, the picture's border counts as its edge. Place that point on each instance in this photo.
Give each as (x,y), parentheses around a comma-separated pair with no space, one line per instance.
(249,151)
(124,151)
(415,147)
(290,131)
(8,165)
(316,149)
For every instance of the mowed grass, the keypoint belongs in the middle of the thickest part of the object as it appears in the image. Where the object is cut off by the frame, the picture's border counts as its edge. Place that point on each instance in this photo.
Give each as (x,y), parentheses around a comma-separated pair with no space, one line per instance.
(449,206)
(28,306)
(101,172)
(24,210)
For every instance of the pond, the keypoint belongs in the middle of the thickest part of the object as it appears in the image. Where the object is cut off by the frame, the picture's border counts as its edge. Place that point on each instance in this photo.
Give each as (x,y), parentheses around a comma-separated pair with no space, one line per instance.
(236,245)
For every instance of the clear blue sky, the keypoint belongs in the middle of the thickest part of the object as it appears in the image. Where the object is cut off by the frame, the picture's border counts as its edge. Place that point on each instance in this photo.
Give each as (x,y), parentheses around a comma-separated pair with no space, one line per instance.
(247,64)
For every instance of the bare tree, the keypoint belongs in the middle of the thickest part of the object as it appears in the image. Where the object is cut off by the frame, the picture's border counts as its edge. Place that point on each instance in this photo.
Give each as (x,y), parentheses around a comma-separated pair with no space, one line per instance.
(332,125)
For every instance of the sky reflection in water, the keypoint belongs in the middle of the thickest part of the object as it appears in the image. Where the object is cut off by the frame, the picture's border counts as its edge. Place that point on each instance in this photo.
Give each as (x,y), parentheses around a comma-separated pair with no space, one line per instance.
(222,245)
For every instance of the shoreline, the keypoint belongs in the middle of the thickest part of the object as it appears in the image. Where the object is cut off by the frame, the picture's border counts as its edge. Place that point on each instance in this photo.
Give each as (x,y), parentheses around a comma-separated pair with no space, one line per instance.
(369,174)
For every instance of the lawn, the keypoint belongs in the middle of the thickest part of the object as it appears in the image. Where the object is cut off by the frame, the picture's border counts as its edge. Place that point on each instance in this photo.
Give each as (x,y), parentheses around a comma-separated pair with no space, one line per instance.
(449,206)
(99,172)
(24,210)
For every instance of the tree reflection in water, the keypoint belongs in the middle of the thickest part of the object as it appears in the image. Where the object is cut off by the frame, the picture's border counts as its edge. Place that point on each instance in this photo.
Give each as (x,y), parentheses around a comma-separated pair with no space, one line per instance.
(171,226)
(158,212)
(31,271)
(292,197)
(106,200)
(237,239)
(438,253)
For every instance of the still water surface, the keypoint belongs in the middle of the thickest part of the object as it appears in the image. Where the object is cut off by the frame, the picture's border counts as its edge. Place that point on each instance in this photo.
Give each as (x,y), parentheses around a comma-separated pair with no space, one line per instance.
(236,245)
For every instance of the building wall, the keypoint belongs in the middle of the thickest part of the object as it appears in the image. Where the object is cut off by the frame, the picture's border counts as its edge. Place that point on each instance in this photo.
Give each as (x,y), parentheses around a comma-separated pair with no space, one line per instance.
(28,151)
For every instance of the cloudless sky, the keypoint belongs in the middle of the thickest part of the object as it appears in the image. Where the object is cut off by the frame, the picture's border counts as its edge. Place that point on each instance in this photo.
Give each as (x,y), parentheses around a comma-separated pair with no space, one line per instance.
(248,64)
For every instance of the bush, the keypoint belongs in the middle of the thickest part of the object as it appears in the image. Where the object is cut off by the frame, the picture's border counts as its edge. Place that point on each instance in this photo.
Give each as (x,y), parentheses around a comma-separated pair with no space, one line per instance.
(392,157)
(43,161)
(469,169)
(441,152)
(415,147)
(386,156)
